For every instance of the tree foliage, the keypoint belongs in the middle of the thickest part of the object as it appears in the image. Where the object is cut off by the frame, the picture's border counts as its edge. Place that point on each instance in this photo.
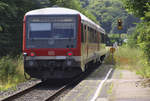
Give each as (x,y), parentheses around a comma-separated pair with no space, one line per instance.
(141,8)
(107,12)
(11,16)
(144,38)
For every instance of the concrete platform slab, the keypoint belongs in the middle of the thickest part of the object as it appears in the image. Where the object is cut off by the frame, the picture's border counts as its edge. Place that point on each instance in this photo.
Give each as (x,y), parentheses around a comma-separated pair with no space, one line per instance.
(122,85)
(134,99)
(101,99)
(126,88)
(87,88)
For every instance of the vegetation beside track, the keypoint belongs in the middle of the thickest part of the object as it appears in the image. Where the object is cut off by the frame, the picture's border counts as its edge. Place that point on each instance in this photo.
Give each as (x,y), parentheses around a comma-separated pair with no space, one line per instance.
(11,72)
(132,59)
(140,37)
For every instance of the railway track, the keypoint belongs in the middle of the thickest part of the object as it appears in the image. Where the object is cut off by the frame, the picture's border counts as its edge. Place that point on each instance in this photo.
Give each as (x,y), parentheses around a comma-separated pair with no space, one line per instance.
(21,93)
(70,85)
(33,93)
(46,92)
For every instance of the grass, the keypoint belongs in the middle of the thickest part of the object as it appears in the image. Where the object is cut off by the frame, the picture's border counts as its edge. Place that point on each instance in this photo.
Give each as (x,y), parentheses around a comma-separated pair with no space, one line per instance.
(127,58)
(132,59)
(110,90)
(11,72)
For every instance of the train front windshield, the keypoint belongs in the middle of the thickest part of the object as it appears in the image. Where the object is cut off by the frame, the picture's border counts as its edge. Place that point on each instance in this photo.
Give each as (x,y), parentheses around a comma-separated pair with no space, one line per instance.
(52,27)
(52,31)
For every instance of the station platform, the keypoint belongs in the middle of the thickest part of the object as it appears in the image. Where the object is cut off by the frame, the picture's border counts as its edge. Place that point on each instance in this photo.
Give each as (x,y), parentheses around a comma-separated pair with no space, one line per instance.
(89,89)
(129,87)
(118,85)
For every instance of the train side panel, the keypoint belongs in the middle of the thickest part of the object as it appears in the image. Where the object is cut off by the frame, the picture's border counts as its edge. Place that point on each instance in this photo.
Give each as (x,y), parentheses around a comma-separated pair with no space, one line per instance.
(92,48)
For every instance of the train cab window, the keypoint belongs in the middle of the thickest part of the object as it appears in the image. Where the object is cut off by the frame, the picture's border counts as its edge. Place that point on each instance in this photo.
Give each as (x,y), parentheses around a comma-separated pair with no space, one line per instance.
(60,30)
(52,30)
(37,28)
(51,27)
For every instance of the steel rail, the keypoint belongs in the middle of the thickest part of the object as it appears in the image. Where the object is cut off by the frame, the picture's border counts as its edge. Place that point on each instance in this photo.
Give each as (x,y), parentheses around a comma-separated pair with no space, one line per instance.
(57,93)
(21,93)
(71,84)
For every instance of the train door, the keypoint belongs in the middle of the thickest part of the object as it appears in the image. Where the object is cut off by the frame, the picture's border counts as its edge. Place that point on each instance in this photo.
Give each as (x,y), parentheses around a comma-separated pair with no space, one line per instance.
(83,45)
(98,40)
(87,41)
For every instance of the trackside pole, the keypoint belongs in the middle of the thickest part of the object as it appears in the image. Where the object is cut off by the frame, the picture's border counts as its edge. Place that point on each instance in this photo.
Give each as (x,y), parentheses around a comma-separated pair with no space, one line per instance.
(112,51)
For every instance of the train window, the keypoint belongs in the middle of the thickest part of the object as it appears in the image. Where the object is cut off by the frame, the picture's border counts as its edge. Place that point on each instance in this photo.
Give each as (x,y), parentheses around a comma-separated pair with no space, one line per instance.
(63,25)
(82,33)
(40,26)
(90,35)
(93,34)
(52,30)
(85,33)
(52,27)
(37,28)
(96,36)
(99,38)
(60,30)
(102,38)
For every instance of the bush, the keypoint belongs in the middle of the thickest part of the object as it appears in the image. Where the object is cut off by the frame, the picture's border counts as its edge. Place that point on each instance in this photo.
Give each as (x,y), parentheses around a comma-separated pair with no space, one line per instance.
(132,59)
(128,58)
(8,68)
(144,39)
(11,71)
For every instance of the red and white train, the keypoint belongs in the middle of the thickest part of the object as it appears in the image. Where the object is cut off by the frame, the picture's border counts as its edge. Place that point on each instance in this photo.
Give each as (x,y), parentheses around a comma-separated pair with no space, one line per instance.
(60,42)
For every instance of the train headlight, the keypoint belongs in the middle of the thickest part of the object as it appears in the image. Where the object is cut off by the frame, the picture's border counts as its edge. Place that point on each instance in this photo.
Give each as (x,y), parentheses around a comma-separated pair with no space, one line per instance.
(32,54)
(70,54)
(25,54)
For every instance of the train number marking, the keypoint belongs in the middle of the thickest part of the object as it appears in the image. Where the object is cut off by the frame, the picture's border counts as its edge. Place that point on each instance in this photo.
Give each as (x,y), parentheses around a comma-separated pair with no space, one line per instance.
(51,53)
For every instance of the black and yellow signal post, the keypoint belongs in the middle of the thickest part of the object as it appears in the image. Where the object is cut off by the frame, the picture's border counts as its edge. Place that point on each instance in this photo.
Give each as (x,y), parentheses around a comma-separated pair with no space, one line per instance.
(120,27)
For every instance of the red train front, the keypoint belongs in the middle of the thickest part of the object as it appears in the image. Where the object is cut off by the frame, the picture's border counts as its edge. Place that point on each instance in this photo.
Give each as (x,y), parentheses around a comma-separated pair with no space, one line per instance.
(52,43)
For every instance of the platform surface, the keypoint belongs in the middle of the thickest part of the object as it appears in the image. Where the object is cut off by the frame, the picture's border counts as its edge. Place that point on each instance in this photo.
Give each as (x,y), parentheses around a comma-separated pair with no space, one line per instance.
(121,85)
(87,88)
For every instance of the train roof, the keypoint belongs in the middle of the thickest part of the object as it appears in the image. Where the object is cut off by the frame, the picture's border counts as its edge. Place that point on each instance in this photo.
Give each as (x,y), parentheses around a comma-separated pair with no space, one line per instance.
(65,11)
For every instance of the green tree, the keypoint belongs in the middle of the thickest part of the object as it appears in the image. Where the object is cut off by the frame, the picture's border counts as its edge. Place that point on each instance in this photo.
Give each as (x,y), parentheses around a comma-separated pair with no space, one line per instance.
(140,8)
(11,17)
(107,12)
